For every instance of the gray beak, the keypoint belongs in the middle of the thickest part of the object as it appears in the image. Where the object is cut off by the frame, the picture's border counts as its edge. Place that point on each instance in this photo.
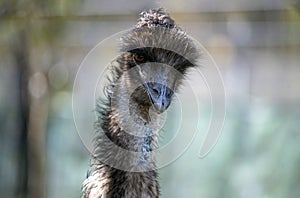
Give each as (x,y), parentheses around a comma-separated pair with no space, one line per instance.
(160,96)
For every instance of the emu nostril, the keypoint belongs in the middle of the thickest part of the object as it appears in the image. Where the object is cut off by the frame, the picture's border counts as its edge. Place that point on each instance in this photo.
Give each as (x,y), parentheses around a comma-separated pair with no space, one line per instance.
(155,91)
(169,93)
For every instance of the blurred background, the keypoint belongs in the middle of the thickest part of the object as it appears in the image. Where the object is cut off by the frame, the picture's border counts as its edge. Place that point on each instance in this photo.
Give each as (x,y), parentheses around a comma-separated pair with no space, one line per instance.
(256,45)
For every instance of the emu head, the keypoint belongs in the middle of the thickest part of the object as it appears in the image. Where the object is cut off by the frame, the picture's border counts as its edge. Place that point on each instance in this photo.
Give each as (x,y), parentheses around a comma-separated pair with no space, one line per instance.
(156,53)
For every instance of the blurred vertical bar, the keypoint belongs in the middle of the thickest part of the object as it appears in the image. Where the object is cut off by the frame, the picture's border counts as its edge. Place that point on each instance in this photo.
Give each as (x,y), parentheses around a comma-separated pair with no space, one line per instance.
(38,113)
(33,107)
(20,56)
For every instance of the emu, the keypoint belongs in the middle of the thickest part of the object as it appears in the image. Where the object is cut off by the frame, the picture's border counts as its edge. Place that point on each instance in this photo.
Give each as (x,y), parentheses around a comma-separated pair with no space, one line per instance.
(154,58)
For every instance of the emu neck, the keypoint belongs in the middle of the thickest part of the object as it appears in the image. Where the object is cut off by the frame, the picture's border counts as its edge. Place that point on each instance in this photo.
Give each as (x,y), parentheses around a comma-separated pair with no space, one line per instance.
(136,132)
(133,125)
(124,163)
(129,135)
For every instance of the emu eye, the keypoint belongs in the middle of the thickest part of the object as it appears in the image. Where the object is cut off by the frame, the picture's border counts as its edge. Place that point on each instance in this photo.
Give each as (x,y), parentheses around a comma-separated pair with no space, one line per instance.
(139,57)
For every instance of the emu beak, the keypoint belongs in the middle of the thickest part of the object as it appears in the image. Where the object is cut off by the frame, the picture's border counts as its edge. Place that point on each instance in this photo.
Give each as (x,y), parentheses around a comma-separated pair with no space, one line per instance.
(160,96)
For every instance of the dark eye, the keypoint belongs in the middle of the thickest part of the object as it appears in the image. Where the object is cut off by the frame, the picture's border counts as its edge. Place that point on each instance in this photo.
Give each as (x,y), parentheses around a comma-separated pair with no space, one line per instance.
(139,57)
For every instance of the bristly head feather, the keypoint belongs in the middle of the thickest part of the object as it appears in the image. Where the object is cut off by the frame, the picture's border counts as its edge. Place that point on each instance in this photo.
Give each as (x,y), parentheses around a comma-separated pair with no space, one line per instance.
(158,33)
(157,17)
